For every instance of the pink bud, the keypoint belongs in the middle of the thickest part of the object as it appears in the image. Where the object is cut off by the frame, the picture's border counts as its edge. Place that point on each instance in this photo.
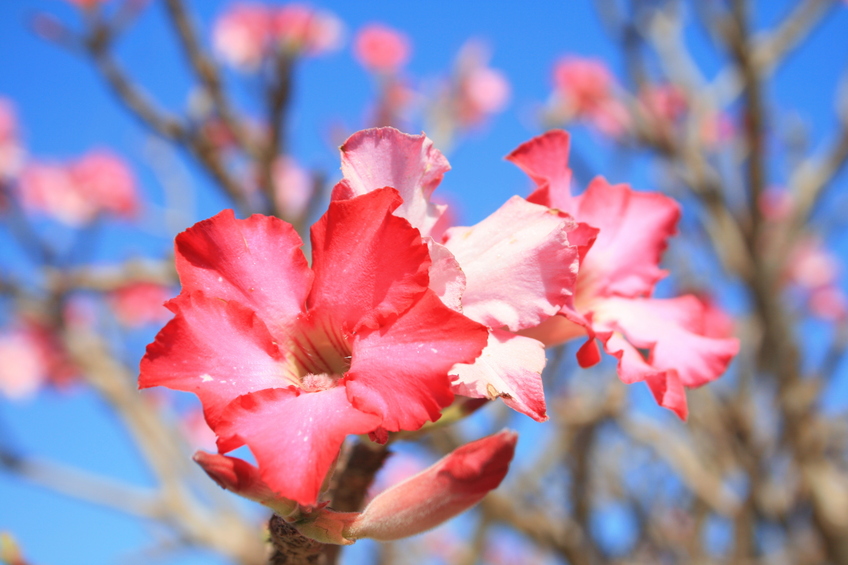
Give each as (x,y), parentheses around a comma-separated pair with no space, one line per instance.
(381,49)
(454,484)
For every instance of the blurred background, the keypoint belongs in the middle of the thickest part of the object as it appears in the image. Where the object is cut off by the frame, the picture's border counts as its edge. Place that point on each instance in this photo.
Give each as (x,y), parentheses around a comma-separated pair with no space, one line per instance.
(123,122)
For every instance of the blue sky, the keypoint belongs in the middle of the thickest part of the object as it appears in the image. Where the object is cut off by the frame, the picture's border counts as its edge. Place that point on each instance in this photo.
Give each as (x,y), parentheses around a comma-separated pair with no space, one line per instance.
(65,111)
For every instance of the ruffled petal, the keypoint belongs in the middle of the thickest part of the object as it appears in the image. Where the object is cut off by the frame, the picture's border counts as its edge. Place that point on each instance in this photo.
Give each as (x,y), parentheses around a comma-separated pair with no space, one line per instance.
(294,436)
(400,372)
(510,368)
(370,266)
(665,385)
(257,262)
(672,330)
(519,265)
(545,160)
(380,157)
(215,349)
(634,229)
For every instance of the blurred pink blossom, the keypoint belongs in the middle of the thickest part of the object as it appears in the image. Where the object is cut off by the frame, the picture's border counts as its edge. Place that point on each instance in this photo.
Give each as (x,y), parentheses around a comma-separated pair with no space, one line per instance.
(299,28)
(240,35)
(31,356)
(828,303)
(480,90)
(292,186)
(22,369)
(381,49)
(247,33)
(664,105)
(141,303)
(585,88)
(77,193)
(811,266)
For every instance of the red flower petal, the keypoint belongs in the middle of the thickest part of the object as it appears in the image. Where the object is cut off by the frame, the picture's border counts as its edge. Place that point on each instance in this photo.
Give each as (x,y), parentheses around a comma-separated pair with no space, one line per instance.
(400,372)
(370,266)
(380,157)
(215,349)
(294,436)
(519,266)
(257,262)
(673,329)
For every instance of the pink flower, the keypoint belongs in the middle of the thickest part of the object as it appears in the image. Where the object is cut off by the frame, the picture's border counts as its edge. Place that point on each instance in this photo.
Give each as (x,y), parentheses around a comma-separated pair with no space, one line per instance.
(247,33)
(293,186)
(240,34)
(664,106)
(289,359)
(486,91)
(301,29)
(828,303)
(584,83)
(31,357)
(530,244)
(480,90)
(666,103)
(105,179)
(585,88)
(381,49)
(77,193)
(141,303)
(618,272)
(811,266)
(22,368)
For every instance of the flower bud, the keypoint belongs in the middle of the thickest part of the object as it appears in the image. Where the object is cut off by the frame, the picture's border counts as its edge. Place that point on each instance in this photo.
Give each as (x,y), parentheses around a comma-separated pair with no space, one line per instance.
(454,484)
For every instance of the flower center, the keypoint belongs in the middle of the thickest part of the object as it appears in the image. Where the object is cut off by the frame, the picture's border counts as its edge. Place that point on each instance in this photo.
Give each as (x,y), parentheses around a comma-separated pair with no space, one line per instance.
(319,354)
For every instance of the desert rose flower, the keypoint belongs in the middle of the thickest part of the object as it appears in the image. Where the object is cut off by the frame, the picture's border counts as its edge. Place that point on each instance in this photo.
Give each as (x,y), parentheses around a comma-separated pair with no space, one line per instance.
(381,49)
(298,28)
(616,280)
(247,33)
(289,359)
(31,357)
(22,367)
(478,90)
(531,245)
(293,186)
(585,89)
(240,35)
(77,192)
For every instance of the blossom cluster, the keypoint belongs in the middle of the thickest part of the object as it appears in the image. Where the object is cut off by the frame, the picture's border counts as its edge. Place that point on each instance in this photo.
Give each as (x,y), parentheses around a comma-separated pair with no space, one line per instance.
(399,311)
(246,34)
